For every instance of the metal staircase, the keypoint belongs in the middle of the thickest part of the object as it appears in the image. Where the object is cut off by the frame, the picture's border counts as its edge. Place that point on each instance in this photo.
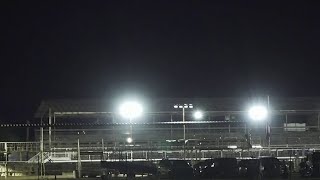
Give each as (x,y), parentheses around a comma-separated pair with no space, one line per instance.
(37,158)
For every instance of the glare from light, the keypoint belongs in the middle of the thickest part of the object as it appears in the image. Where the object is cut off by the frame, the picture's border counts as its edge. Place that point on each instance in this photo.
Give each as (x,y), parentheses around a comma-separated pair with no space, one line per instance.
(170,140)
(183,106)
(258,113)
(232,147)
(129,140)
(256,146)
(131,110)
(198,115)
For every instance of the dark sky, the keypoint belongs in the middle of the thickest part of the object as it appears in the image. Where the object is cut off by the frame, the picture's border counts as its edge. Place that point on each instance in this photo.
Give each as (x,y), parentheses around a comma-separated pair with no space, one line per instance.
(165,48)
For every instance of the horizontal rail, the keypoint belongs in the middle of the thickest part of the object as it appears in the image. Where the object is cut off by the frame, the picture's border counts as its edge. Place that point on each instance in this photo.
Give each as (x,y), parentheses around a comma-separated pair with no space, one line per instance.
(113,124)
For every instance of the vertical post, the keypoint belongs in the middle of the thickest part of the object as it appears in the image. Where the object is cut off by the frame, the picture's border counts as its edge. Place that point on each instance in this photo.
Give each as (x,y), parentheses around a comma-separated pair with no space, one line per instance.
(54,128)
(259,153)
(41,152)
(130,120)
(5,165)
(196,155)
(50,129)
(102,144)
(184,126)
(184,134)
(268,125)
(171,127)
(28,131)
(79,159)
(286,123)
(318,121)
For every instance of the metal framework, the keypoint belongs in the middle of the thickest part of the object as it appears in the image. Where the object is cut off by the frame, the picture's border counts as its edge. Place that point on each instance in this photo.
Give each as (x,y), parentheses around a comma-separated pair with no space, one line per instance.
(82,131)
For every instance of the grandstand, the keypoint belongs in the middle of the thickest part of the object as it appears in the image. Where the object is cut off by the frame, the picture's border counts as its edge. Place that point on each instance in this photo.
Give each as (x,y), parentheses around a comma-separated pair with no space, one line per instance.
(100,133)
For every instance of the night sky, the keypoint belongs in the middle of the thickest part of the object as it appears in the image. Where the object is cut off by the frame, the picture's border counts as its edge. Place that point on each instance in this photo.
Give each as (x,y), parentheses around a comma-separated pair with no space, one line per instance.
(165,48)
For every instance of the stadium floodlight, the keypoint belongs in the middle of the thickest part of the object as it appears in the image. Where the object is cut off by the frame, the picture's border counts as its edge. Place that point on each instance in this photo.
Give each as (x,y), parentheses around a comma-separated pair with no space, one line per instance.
(131,110)
(258,146)
(183,106)
(232,147)
(129,140)
(258,112)
(198,115)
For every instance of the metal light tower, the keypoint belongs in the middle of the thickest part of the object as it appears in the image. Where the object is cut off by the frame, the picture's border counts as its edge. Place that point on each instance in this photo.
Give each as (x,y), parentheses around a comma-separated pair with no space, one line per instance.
(183,107)
(260,113)
(130,110)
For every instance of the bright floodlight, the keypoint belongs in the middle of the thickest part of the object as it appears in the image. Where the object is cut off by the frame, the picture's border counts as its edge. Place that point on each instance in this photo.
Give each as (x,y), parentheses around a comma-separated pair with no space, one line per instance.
(130,110)
(129,140)
(258,113)
(232,146)
(198,115)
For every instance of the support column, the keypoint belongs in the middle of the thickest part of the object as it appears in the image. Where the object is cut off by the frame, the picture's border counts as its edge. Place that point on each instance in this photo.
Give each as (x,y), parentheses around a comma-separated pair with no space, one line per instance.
(171,127)
(196,155)
(5,165)
(54,128)
(79,159)
(102,146)
(184,134)
(259,153)
(41,153)
(50,122)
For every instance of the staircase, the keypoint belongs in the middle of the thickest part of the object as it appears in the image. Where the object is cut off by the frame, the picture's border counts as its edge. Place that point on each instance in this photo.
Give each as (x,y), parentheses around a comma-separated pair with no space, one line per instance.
(37,158)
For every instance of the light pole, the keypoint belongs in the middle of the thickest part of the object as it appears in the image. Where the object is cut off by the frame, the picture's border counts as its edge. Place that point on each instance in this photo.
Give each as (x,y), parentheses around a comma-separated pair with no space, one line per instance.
(260,113)
(130,110)
(79,155)
(183,107)
(197,115)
